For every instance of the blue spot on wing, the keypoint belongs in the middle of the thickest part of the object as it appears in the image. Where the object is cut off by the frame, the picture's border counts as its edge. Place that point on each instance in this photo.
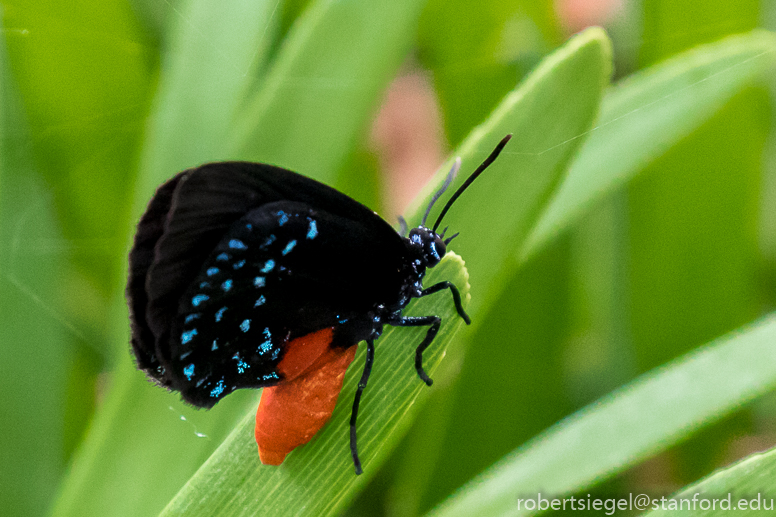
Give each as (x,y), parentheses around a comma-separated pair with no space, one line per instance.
(189,371)
(282,218)
(199,299)
(237,244)
(259,281)
(223,257)
(191,317)
(212,271)
(269,240)
(245,326)
(289,247)
(218,390)
(238,265)
(312,230)
(220,313)
(268,266)
(241,365)
(266,346)
(188,336)
(260,301)
(227,285)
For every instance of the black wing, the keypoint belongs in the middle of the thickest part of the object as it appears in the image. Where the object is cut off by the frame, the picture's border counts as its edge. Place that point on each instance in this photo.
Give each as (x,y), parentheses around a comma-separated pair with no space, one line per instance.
(245,258)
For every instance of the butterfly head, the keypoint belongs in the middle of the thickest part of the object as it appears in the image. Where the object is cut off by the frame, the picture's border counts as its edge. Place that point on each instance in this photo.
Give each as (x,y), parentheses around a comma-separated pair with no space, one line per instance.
(430,245)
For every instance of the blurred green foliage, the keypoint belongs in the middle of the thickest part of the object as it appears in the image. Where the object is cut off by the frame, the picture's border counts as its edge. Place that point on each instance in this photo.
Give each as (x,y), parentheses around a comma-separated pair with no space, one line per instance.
(623,227)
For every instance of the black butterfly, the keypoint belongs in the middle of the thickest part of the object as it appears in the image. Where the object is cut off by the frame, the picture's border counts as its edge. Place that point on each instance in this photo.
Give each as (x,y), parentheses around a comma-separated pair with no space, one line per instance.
(233,262)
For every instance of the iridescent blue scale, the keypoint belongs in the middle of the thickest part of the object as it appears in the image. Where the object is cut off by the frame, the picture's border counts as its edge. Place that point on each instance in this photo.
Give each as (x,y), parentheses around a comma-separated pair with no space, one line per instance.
(252,257)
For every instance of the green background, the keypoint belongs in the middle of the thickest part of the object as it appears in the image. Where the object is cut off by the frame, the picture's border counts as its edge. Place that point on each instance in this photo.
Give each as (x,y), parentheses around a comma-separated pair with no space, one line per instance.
(630,221)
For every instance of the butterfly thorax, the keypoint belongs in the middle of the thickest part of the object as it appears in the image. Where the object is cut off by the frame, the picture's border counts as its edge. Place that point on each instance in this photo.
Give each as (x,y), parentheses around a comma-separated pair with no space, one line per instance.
(425,249)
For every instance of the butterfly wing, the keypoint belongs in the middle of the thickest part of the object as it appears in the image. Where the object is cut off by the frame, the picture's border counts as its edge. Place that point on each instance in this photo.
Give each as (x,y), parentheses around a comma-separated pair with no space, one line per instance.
(241,271)
(149,231)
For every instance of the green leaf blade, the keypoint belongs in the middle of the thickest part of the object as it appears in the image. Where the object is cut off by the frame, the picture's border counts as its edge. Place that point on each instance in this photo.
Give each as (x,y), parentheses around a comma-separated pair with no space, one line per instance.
(746,488)
(648,114)
(546,114)
(140,424)
(324,84)
(33,335)
(207,70)
(628,425)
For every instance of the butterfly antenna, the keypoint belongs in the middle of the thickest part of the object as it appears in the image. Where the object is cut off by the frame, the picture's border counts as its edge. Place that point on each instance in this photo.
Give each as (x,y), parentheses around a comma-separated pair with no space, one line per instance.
(470,180)
(450,175)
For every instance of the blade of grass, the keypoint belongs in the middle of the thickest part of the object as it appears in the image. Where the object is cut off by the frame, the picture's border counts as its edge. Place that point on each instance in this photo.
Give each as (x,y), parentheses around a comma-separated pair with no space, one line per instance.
(494,43)
(324,83)
(214,53)
(627,426)
(746,487)
(84,74)
(35,344)
(140,425)
(548,115)
(647,114)
(318,478)
(556,104)
(652,87)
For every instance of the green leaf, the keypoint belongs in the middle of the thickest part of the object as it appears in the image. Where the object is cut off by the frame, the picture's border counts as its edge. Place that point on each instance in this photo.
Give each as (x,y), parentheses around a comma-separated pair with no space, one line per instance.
(318,478)
(477,50)
(84,73)
(546,114)
(35,341)
(212,58)
(557,102)
(206,70)
(672,27)
(629,425)
(325,82)
(647,114)
(745,488)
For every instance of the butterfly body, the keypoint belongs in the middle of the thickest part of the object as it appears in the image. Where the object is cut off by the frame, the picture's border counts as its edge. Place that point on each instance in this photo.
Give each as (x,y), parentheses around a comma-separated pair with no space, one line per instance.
(268,283)
(246,275)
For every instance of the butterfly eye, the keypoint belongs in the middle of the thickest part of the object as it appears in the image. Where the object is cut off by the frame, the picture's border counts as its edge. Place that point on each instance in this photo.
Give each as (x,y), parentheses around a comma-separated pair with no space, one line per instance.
(428,244)
(435,249)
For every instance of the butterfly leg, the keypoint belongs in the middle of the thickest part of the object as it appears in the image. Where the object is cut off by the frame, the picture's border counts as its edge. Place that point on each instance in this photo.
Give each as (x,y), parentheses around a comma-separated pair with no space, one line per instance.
(456,297)
(410,321)
(370,356)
